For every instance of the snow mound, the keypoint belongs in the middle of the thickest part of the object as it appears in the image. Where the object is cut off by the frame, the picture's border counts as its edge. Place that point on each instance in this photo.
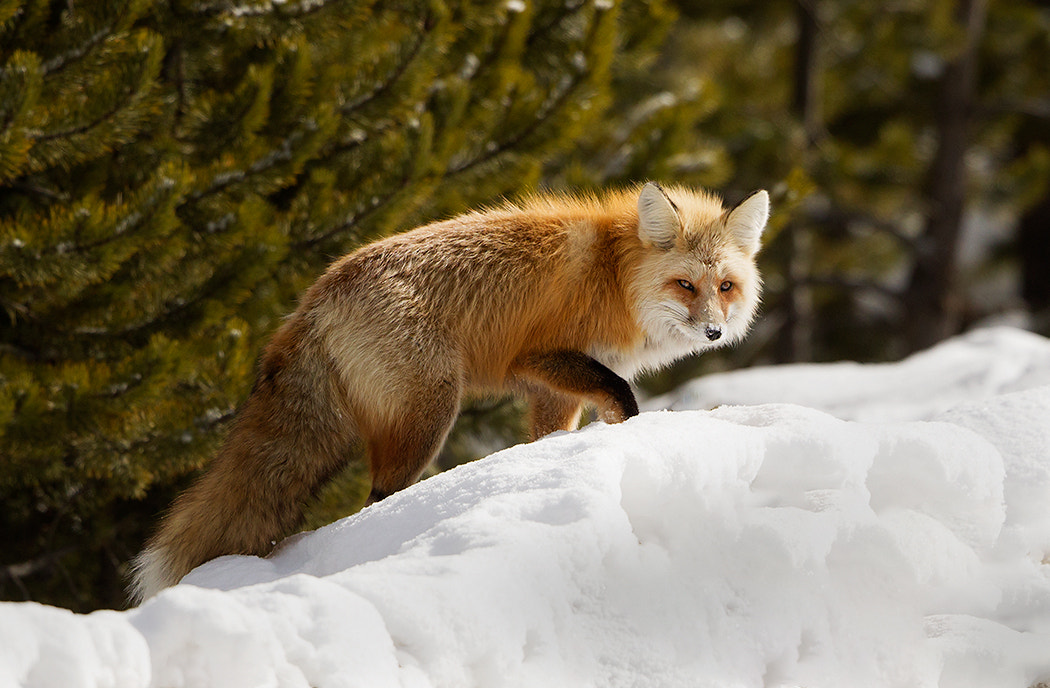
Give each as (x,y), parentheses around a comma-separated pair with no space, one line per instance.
(976,365)
(762,545)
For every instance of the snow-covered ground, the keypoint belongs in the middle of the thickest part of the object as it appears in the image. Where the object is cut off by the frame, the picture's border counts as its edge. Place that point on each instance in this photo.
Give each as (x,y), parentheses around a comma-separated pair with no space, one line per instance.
(844,525)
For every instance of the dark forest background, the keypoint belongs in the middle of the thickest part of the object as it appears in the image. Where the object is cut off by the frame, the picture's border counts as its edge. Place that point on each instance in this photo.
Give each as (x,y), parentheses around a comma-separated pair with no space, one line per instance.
(173,173)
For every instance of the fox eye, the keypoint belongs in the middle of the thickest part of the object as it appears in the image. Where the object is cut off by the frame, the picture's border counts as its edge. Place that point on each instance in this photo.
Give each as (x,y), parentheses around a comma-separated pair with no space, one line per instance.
(725,286)
(686,284)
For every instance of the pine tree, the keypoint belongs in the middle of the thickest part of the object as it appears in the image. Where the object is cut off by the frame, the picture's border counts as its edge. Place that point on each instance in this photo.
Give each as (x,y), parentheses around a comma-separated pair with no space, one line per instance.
(859,174)
(173,174)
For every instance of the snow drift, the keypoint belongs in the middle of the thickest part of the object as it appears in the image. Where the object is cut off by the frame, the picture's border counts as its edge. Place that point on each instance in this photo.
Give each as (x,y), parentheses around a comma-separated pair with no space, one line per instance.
(758,545)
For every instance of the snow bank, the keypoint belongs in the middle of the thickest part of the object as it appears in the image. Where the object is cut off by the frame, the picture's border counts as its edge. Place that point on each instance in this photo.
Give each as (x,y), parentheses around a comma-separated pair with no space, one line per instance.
(762,545)
(974,366)
(51,648)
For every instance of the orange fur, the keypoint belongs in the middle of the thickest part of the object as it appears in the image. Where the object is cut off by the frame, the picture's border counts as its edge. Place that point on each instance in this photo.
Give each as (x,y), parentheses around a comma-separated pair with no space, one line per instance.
(559,298)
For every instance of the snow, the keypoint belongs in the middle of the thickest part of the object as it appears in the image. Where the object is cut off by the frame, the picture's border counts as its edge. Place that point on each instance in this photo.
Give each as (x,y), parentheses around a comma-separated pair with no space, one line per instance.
(839,525)
(976,366)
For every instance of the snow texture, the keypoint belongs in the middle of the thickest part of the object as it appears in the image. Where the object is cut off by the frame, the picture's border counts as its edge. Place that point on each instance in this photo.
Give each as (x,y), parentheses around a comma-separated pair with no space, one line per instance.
(890,526)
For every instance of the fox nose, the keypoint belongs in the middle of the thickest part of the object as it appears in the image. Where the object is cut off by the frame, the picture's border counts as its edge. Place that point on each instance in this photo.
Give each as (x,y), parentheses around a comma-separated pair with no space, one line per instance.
(712,332)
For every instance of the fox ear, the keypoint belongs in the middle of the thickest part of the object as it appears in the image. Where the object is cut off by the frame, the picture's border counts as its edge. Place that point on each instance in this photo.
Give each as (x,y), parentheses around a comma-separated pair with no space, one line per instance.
(747,220)
(658,221)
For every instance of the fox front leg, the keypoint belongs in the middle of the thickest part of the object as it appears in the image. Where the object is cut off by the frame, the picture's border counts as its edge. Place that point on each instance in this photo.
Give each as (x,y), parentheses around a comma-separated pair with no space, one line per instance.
(577,375)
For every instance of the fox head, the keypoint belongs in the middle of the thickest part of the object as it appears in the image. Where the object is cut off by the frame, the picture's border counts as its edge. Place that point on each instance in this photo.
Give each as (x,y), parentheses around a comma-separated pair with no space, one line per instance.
(697,285)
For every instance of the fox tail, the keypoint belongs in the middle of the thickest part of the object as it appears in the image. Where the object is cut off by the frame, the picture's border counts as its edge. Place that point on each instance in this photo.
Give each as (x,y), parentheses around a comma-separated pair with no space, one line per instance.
(291,436)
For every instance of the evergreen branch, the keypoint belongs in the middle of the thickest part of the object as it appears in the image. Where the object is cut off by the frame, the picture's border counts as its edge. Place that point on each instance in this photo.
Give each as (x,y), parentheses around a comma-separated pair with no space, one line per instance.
(225,180)
(215,420)
(58,63)
(129,332)
(222,181)
(553,104)
(127,225)
(427,25)
(272,8)
(132,96)
(80,130)
(177,309)
(119,389)
(353,220)
(28,188)
(568,9)
(552,107)
(356,139)
(494,151)
(202,424)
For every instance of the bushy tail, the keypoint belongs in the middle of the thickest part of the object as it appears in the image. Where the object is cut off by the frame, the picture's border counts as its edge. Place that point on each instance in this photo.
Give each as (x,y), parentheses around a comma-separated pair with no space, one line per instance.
(289,438)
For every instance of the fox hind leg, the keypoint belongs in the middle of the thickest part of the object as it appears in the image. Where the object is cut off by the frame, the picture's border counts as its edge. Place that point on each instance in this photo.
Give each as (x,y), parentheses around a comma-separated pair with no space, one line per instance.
(552,411)
(400,450)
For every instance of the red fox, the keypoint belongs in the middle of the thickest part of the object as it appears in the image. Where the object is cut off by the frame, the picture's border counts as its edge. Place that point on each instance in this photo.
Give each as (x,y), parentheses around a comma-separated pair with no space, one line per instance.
(559,298)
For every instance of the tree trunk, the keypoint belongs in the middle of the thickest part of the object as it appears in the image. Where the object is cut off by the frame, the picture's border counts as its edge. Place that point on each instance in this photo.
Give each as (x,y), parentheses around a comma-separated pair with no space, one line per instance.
(1034,248)
(933,308)
(796,340)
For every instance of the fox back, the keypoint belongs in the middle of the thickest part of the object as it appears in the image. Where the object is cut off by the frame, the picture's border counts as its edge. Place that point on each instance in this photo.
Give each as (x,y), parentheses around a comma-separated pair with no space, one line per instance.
(561,299)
